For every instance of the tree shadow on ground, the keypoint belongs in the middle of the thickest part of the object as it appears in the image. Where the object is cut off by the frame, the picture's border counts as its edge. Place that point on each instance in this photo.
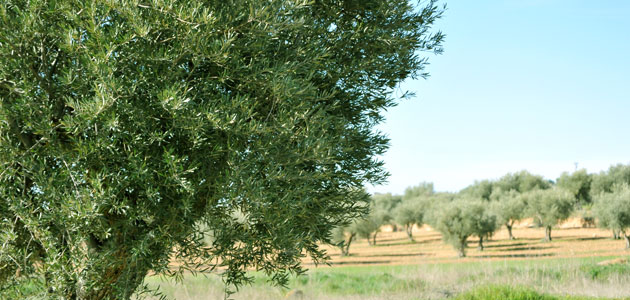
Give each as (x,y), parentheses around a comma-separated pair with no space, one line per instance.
(526,248)
(397,255)
(406,242)
(361,262)
(514,255)
(505,245)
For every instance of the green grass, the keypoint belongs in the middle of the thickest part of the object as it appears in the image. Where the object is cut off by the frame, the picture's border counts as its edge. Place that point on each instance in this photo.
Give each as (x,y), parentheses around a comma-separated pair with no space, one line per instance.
(544,279)
(563,279)
(493,292)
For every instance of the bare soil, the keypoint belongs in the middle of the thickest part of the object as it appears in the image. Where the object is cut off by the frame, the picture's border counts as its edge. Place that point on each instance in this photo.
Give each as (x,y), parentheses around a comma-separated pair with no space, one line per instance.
(394,248)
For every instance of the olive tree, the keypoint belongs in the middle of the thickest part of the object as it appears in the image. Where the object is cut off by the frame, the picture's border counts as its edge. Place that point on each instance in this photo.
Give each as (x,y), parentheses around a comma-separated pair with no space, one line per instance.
(484,221)
(411,210)
(613,211)
(508,207)
(410,213)
(343,236)
(127,127)
(369,227)
(549,207)
(461,219)
(605,181)
(578,183)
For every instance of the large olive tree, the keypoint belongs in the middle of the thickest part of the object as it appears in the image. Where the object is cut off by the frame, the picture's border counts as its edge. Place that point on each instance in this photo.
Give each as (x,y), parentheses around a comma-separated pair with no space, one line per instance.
(127,127)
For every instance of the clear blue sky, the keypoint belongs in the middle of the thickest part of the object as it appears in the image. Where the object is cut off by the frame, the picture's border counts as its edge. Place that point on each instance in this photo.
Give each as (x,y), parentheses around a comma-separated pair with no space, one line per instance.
(522,84)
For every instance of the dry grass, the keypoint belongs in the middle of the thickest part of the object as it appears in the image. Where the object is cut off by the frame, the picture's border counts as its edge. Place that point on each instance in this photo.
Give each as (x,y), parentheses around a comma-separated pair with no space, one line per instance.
(428,269)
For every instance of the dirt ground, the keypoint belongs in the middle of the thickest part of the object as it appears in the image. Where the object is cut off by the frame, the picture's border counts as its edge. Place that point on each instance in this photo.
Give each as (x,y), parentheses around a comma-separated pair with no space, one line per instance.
(569,240)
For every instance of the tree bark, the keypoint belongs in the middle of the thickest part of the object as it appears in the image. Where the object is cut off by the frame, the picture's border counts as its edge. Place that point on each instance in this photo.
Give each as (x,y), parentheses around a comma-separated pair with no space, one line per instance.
(627,238)
(480,247)
(409,229)
(509,228)
(615,234)
(548,234)
(346,251)
(461,248)
(374,239)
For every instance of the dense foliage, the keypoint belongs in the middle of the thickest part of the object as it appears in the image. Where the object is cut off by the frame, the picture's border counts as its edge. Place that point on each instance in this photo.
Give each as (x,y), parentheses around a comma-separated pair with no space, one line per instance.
(549,207)
(613,211)
(129,130)
(509,208)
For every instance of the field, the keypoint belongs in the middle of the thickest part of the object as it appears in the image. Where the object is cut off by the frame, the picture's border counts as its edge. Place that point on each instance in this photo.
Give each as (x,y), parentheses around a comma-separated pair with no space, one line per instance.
(579,263)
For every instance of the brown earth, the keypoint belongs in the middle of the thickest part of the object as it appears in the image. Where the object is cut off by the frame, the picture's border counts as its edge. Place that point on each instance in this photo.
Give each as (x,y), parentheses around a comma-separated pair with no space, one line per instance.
(569,240)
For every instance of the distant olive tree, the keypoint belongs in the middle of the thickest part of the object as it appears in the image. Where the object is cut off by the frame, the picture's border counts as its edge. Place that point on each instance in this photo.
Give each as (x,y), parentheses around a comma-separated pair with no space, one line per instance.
(509,208)
(522,182)
(549,207)
(424,189)
(479,189)
(613,211)
(484,221)
(606,180)
(369,227)
(578,183)
(410,213)
(462,218)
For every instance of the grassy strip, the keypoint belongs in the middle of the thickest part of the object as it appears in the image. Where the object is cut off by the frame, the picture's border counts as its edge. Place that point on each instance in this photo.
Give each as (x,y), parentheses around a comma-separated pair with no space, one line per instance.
(494,292)
(577,276)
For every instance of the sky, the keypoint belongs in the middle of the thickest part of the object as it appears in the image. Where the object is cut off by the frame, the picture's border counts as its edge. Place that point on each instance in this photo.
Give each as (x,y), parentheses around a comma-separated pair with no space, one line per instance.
(522,85)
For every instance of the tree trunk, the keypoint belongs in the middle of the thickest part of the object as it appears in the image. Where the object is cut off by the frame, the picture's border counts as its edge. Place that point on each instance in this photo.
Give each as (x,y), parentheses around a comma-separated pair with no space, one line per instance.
(461,248)
(409,229)
(480,247)
(374,239)
(346,251)
(548,234)
(615,234)
(627,237)
(509,228)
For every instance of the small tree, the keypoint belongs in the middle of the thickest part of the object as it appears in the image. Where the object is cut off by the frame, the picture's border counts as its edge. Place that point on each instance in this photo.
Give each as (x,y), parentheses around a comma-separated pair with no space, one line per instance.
(462,218)
(483,220)
(342,237)
(408,214)
(549,207)
(451,221)
(509,208)
(613,211)
(369,227)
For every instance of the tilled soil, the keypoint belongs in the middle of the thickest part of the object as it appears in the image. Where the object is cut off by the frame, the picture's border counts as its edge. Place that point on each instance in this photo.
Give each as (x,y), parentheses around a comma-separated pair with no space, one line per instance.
(395,248)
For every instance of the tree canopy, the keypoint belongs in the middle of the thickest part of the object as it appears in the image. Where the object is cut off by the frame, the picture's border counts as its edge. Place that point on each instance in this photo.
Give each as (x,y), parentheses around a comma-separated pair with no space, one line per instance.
(548,207)
(128,129)
(613,210)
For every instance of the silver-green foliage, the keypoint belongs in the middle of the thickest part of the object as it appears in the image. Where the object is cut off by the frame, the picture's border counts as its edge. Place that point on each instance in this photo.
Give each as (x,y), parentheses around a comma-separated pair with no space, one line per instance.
(508,207)
(409,213)
(578,183)
(613,210)
(605,181)
(463,218)
(128,126)
(549,207)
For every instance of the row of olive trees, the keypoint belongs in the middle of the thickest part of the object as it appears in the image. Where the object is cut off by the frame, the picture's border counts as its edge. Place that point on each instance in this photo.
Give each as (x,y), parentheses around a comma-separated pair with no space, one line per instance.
(480,209)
